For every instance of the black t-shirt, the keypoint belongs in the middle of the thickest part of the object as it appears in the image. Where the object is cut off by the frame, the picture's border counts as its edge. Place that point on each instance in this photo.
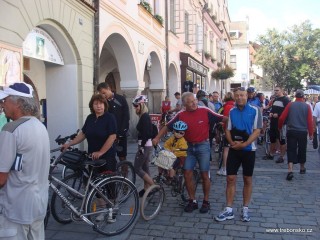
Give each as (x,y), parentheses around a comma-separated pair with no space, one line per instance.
(188,86)
(97,131)
(144,128)
(278,106)
(119,107)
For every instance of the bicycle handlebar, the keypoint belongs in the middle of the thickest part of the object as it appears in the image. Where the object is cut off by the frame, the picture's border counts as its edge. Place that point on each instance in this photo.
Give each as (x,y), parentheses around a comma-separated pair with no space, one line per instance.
(63,140)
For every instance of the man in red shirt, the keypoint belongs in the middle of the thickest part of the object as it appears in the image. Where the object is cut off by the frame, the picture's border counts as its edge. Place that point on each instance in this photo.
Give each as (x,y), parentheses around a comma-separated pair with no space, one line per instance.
(198,119)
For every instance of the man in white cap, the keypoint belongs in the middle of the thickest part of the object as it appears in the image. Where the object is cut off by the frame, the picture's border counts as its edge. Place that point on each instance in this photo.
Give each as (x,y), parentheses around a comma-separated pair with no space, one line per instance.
(24,166)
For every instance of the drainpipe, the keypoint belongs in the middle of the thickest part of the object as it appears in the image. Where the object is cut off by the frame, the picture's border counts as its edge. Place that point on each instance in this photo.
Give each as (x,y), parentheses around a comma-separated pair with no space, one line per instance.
(167,46)
(96,35)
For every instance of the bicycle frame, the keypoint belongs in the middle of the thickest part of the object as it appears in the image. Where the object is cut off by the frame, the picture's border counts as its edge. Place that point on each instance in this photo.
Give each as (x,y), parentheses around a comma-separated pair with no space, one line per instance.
(82,216)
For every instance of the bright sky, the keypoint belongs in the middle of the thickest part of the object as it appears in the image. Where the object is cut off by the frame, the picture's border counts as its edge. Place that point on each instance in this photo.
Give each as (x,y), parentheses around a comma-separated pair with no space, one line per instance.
(278,14)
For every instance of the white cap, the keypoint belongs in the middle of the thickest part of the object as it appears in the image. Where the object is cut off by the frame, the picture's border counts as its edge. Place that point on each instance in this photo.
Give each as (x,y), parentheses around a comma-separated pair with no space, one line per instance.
(17,89)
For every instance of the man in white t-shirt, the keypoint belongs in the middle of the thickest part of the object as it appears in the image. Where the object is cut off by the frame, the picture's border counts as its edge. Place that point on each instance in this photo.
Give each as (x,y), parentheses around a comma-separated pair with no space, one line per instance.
(316,118)
(24,166)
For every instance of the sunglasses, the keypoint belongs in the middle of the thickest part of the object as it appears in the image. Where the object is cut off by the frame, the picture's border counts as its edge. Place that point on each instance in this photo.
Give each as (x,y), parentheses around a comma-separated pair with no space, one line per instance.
(179,132)
(135,105)
(239,89)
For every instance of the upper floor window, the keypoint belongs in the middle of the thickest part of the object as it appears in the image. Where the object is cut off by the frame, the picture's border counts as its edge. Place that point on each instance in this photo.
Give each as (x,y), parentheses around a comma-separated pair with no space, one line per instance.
(186,27)
(234,34)
(173,15)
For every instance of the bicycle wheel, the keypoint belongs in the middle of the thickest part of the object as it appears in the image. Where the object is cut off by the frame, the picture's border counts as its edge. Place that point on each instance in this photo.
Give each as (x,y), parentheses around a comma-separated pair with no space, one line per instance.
(66,172)
(184,193)
(152,202)
(113,205)
(126,169)
(267,141)
(59,210)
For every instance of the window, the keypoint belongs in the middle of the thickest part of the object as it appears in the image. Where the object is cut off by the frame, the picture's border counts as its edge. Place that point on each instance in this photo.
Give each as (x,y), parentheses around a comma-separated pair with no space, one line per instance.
(186,27)
(189,76)
(233,61)
(172,16)
(234,34)
(156,7)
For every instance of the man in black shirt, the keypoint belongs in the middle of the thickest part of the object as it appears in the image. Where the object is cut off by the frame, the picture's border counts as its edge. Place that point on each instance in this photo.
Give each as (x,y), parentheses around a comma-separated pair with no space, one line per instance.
(278,105)
(119,107)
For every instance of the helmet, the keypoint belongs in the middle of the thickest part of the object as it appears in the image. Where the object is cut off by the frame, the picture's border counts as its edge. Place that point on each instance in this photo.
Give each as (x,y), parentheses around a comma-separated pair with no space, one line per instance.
(180,126)
(140,99)
(251,90)
(201,94)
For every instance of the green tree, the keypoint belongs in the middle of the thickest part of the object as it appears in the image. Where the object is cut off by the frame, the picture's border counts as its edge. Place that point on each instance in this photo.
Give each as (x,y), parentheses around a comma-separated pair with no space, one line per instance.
(288,57)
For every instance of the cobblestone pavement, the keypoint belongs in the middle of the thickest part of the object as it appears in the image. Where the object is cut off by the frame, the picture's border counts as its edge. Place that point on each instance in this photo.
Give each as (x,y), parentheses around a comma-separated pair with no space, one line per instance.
(279,209)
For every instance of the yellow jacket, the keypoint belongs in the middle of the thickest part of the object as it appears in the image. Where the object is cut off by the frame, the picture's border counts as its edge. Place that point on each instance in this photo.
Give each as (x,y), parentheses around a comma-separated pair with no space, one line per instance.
(176,143)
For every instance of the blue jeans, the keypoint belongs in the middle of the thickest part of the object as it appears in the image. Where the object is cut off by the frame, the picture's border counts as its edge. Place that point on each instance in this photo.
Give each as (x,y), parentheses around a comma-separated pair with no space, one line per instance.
(199,152)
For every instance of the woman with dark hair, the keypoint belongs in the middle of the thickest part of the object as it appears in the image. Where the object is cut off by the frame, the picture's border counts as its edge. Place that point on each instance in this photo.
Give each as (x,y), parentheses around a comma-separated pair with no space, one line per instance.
(145,148)
(100,130)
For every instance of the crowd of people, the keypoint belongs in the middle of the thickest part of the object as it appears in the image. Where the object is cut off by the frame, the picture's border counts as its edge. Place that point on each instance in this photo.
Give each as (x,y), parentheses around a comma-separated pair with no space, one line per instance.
(24,143)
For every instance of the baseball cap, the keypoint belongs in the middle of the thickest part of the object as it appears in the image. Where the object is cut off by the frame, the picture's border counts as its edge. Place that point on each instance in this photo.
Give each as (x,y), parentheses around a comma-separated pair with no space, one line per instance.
(299,93)
(17,89)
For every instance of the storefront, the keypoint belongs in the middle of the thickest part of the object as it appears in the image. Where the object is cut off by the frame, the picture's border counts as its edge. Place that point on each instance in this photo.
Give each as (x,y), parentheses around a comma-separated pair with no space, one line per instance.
(192,72)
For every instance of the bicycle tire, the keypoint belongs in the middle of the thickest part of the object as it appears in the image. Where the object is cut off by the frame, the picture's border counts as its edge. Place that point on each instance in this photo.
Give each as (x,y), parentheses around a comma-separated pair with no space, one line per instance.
(126,169)
(66,172)
(59,210)
(267,141)
(46,219)
(124,205)
(220,156)
(184,193)
(152,202)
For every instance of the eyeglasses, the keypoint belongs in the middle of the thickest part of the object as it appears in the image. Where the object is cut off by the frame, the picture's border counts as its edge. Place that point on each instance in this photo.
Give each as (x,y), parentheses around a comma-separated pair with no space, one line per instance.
(135,105)
(179,132)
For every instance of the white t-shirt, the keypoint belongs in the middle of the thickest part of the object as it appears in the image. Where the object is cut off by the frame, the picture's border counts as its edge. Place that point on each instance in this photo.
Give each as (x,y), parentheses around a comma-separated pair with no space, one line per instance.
(316,111)
(24,197)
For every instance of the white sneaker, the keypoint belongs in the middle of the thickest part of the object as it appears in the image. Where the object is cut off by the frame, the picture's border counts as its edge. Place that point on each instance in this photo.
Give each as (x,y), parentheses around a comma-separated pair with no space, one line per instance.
(100,217)
(221,172)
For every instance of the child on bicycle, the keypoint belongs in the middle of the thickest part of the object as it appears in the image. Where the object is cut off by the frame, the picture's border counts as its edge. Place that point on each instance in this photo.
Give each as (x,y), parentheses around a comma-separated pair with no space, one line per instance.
(173,144)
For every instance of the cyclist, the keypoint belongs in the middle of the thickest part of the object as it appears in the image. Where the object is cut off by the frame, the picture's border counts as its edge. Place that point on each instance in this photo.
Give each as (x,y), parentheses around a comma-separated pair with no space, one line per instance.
(177,141)
(278,105)
(119,107)
(198,119)
(144,153)
(228,105)
(252,98)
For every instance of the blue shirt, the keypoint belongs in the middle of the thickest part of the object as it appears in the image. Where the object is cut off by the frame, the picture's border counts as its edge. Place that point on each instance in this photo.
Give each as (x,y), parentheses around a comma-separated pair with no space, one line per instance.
(217,106)
(97,131)
(255,102)
(248,119)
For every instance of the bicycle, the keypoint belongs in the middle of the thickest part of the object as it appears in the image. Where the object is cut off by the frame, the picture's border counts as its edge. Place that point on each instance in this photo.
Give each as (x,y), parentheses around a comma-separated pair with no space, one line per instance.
(167,117)
(108,204)
(154,196)
(220,139)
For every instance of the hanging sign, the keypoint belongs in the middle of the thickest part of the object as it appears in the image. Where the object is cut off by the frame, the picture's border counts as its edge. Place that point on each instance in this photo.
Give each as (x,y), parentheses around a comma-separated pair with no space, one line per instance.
(40,45)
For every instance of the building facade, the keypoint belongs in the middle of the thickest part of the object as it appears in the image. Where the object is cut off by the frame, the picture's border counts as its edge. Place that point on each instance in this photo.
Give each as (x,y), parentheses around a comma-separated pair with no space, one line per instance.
(52,41)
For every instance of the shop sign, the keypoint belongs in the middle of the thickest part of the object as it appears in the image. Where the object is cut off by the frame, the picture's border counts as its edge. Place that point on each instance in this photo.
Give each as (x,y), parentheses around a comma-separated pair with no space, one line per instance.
(197,66)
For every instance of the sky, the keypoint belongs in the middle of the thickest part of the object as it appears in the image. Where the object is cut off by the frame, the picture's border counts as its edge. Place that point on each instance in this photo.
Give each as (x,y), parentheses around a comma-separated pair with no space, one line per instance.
(278,14)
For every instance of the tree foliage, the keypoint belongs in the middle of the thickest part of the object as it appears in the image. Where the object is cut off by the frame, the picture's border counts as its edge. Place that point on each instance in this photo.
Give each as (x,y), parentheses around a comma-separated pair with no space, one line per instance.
(290,56)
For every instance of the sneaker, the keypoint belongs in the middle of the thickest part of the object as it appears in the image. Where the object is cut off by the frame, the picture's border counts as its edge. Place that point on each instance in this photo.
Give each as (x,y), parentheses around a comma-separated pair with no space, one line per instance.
(111,218)
(289,176)
(280,160)
(268,157)
(205,207)
(303,171)
(191,206)
(141,193)
(222,172)
(100,217)
(245,215)
(224,215)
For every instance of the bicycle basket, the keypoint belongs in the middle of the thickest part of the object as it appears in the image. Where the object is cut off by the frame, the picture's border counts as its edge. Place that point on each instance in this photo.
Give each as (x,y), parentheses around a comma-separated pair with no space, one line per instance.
(164,159)
(73,159)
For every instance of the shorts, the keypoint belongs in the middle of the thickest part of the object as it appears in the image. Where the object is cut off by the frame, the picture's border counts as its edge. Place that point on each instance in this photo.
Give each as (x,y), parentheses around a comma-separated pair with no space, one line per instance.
(237,158)
(274,135)
(121,147)
(14,231)
(199,152)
